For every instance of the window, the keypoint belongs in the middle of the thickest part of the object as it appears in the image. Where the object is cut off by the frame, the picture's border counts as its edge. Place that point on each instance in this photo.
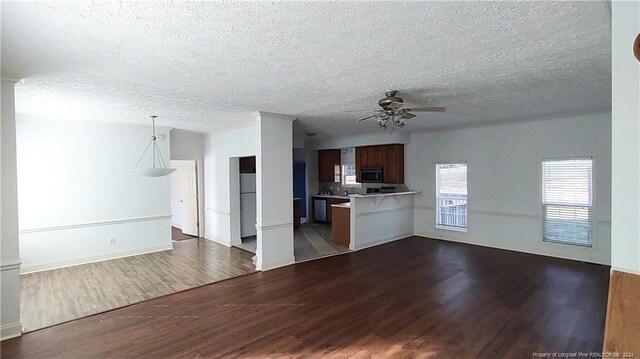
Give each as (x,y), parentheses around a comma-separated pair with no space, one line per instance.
(451,196)
(567,201)
(349,175)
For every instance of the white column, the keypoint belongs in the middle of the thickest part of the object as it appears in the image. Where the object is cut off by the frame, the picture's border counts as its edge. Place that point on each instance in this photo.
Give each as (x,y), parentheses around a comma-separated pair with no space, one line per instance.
(10,257)
(625,117)
(274,187)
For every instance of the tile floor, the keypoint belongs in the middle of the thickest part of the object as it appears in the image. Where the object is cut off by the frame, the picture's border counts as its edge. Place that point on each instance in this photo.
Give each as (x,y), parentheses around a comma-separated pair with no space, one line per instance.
(310,241)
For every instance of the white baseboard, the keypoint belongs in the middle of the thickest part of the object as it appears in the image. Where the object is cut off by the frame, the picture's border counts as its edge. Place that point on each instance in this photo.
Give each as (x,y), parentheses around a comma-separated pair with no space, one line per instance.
(508,248)
(217,241)
(384,240)
(278,264)
(86,260)
(9,331)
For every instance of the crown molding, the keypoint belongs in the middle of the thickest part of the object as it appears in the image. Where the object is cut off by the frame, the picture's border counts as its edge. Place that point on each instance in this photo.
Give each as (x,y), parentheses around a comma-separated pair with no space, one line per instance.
(278,116)
(8,79)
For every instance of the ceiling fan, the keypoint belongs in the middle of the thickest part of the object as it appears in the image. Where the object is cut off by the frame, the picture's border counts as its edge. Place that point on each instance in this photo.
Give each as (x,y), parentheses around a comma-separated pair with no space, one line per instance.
(394,112)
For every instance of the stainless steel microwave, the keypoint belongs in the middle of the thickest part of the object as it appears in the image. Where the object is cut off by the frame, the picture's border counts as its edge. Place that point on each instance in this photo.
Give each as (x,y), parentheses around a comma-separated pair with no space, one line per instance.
(371,175)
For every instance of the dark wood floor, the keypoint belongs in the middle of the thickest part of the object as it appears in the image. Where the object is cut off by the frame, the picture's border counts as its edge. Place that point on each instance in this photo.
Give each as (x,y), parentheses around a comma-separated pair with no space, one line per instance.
(411,298)
(177,235)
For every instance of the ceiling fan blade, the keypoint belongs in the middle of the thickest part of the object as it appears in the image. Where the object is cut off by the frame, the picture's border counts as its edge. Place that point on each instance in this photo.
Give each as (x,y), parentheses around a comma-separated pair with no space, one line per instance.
(408,116)
(426,109)
(396,105)
(349,111)
(366,118)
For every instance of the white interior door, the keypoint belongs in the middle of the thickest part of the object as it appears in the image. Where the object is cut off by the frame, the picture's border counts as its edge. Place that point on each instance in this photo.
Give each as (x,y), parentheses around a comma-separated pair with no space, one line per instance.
(189,192)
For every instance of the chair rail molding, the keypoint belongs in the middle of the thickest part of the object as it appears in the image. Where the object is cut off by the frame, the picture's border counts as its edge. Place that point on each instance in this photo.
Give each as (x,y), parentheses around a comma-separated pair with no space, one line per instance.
(13,264)
(94,224)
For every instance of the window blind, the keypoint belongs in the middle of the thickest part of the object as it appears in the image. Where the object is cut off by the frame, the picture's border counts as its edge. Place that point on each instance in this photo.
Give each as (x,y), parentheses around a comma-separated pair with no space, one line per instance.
(349,175)
(451,196)
(567,201)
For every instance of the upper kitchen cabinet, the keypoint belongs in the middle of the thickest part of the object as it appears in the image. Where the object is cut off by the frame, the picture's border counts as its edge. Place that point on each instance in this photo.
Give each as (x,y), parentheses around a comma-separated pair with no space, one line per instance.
(388,157)
(393,163)
(329,165)
(248,164)
(369,156)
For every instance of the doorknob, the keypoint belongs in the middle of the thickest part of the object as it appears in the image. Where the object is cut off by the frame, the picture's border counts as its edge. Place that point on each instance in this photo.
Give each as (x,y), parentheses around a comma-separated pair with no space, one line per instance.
(181,201)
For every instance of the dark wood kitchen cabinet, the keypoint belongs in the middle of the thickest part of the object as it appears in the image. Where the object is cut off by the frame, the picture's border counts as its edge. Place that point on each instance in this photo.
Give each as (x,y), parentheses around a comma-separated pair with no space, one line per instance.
(331,201)
(329,162)
(393,163)
(341,226)
(325,207)
(248,164)
(388,157)
(369,156)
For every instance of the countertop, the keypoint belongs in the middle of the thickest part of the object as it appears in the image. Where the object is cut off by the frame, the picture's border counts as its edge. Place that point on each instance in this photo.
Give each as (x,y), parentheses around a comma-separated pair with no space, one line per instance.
(365,195)
(330,196)
(385,194)
(342,205)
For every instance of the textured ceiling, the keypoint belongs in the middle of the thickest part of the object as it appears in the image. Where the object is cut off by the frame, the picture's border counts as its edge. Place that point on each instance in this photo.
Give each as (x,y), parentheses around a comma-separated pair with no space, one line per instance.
(206,66)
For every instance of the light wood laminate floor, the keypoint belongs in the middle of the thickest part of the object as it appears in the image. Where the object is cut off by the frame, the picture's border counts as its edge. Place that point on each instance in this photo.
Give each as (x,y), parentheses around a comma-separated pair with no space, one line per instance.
(59,295)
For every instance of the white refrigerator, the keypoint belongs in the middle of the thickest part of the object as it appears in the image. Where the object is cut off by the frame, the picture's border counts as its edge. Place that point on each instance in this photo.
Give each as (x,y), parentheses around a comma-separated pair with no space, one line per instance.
(247,204)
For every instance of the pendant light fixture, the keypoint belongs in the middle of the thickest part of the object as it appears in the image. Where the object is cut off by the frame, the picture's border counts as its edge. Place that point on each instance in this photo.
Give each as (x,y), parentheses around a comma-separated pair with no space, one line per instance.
(156,157)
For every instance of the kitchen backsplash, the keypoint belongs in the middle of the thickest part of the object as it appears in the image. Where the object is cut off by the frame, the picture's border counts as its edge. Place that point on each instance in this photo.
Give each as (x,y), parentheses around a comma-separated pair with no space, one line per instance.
(339,189)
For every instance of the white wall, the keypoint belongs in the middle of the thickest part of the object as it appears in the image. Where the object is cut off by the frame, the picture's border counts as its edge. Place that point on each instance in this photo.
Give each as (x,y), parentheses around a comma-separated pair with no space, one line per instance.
(187,145)
(274,188)
(221,152)
(10,257)
(625,232)
(504,181)
(77,191)
(382,138)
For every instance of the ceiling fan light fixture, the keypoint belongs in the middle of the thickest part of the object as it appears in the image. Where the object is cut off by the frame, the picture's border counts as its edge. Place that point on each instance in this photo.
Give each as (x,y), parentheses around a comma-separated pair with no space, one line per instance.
(383,122)
(393,111)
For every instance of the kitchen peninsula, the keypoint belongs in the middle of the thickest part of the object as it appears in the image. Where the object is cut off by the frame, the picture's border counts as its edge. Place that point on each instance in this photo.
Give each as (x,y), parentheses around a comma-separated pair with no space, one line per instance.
(378,218)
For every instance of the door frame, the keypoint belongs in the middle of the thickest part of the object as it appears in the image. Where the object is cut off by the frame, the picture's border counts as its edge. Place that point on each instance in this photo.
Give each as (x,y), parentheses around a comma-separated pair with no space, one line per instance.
(199,209)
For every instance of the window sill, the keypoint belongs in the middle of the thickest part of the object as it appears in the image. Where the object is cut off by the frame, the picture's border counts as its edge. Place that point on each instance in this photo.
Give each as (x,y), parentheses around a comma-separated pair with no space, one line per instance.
(453,229)
(573,245)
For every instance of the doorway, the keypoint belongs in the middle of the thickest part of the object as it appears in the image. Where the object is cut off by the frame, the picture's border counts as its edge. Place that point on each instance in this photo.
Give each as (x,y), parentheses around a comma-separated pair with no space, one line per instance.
(184,200)
(248,204)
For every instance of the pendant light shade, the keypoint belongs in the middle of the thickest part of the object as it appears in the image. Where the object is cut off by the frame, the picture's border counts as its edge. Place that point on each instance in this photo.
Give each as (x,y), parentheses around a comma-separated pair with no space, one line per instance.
(155,172)
(158,165)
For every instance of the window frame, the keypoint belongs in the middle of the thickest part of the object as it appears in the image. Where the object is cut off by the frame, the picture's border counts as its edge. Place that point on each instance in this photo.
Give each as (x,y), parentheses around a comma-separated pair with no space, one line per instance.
(436,207)
(343,176)
(593,244)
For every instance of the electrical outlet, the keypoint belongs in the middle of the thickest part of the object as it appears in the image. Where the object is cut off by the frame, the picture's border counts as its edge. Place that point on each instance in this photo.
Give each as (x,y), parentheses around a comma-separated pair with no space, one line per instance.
(112,241)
